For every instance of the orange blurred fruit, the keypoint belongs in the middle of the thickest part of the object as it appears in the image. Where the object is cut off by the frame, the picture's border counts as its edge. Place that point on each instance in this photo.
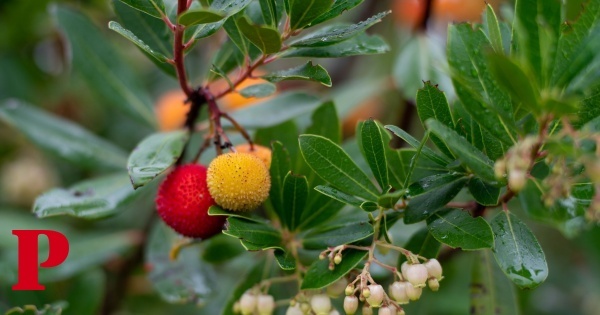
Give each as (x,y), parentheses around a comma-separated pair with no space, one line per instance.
(171,110)
(234,100)
(259,151)
(410,13)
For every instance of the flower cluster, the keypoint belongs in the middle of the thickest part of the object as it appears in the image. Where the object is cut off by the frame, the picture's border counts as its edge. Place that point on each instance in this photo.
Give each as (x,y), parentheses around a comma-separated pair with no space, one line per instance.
(252,303)
(516,163)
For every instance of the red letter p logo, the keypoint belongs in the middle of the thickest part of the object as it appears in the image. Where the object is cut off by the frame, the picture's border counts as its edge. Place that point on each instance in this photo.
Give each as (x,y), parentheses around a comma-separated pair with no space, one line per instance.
(58,250)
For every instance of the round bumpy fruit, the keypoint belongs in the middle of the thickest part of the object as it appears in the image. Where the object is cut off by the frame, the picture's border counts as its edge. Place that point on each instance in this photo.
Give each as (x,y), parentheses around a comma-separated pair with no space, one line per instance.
(261,152)
(183,200)
(238,181)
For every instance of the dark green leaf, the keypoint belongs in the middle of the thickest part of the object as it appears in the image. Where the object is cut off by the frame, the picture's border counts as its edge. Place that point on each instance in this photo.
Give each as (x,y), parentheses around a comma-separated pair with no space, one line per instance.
(432,103)
(235,34)
(421,243)
(590,108)
(319,276)
(221,248)
(286,133)
(345,198)
(430,194)
(303,12)
(285,260)
(334,165)
(266,38)
(389,200)
(62,137)
(271,112)
(270,12)
(338,7)
(493,29)
(326,123)
(427,152)
(335,34)
(260,234)
(199,16)
(151,31)
(361,44)
(187,278)
(87,291)
(154,155)
(491,293)
(259,90)
(518,252)
(457,228)
(203,30)
(514,80)
(331,236)
(227,58)
(229,7)
(475,87)
(90,199)
(478,162)
(307,72)
(374,152)
(578,44)
(295,194)
(280,166)
(155,8)
(104,71)
(484,193)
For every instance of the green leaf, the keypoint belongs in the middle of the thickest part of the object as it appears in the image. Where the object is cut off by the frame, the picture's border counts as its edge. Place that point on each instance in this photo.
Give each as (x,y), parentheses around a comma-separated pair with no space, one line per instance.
(474,85)
(187,278)
(518,252)
(258,233)
(457,228)
(259,90)
(221,248)
(335,34)
(515,81)
(286,133)
(216,210)
(361,44)
(432,103)
(319,276)
(491,293)
(90,199)
(478,162)
(154,155)
(62,137)
(493,29)
(285,260)
(421,243)
(431,194)
(326,123)
(271,112)
(203,30)
(155,8)
(270,12)
(235,34)
(266,38)
(55,308)
(227,58)
(345,198)
(229,7)
(334,165)
(102,69)
(484,194)
(374,152)
(303,12)
(578,45)
(308,72)
(280,166)
(389,200)
(338,7)
(86,292)
(138,42)
(427,152)
(331,236)
(295,195)
(199,16)
(153,32)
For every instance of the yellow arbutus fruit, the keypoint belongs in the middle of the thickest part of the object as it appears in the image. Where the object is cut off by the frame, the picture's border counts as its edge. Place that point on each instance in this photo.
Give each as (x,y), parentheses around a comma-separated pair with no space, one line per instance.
(171,110)
(238,181)
(261,152)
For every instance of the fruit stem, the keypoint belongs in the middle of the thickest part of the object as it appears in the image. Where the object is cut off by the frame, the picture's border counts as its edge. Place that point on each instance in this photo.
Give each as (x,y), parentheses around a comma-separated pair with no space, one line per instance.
(178,47)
